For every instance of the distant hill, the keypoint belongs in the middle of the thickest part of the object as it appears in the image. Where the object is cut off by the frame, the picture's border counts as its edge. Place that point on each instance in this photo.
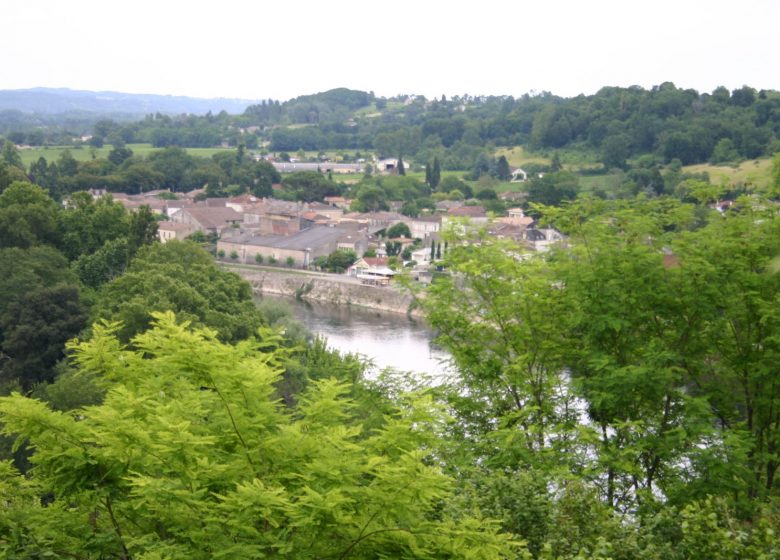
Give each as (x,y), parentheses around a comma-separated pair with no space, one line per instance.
(56,101)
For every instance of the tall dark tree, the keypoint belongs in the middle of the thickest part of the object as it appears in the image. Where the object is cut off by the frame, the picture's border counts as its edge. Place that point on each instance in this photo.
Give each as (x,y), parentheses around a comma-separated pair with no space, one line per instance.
(555,163)
(5,176)
(502,169)
(401,167)
(11,155)
(435,173)
(39,310)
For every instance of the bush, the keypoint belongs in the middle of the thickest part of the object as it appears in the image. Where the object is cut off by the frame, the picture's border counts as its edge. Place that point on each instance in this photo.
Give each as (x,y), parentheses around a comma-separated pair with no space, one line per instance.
(259,258)
(233,255)
(221,254)
(399,230)
(290,262)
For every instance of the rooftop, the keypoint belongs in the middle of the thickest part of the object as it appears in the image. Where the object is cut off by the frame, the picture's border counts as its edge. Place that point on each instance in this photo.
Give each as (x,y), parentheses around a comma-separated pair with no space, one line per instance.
(468,211)
(209,217)
(306,239)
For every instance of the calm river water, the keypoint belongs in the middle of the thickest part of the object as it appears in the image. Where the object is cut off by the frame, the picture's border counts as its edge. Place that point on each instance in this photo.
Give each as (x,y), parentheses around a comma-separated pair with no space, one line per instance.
(389,340)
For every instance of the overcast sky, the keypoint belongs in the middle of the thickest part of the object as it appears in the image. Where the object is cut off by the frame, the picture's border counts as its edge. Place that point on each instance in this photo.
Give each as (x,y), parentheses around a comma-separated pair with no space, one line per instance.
(280,49)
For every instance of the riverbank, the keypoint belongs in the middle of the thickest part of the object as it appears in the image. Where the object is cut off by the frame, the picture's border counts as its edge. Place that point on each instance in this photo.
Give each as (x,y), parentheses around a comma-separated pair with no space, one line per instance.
(327,288)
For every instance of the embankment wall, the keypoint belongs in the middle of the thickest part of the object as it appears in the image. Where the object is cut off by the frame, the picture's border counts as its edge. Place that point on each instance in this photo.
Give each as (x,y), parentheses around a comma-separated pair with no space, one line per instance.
(325,288)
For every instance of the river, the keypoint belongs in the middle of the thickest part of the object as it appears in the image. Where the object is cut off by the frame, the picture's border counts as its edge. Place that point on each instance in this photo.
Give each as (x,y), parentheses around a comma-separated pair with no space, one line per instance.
(388,340)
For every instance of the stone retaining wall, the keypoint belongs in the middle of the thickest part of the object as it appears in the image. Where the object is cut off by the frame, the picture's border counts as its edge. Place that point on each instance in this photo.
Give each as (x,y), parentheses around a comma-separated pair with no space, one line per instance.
(325,288)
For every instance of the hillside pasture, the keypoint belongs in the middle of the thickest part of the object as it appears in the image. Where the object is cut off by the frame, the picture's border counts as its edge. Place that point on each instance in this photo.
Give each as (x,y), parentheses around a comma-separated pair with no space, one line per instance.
(85,153)
(518,156)
(751,173)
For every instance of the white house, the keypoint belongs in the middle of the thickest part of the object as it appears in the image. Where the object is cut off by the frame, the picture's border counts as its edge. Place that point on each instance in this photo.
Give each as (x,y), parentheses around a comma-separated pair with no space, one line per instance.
(519,176)
(389,165)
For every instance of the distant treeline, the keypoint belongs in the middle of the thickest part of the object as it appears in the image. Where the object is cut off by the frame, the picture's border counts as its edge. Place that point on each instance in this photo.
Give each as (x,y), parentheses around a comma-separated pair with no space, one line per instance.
(615,123)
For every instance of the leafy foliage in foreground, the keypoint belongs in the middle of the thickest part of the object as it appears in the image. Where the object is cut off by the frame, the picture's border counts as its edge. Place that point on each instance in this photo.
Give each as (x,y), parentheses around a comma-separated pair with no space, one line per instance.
(621,393)
(190,456)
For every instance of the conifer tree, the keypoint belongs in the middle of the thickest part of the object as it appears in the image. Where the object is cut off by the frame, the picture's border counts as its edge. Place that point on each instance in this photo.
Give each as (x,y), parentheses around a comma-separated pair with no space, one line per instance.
(502,169)
(435,173)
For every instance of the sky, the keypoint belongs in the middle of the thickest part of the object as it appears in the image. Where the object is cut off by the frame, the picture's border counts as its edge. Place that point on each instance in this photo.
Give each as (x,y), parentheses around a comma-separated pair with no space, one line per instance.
(258,49)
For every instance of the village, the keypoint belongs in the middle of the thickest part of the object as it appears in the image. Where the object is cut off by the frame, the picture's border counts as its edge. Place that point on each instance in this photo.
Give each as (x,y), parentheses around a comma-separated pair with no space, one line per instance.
(250,230)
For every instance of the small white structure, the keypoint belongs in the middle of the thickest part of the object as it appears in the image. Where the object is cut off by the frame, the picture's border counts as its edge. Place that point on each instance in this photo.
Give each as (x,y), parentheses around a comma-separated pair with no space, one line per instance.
(389,165)
(519,176)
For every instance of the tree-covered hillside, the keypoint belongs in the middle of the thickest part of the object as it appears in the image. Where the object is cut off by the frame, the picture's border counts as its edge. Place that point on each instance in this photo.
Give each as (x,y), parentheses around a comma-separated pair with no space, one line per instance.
(613,125)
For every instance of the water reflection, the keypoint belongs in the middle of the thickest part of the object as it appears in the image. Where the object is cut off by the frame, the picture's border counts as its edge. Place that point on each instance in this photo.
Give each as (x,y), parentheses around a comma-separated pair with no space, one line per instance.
(387,339)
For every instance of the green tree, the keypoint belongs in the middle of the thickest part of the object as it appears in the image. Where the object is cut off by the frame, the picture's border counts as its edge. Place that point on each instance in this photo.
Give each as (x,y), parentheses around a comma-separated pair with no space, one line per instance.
(191,455)
(309,186)
(180,277)
(503,173)
(101,266)
(393,248)
(67,164)
(775,182)
(11,155)
(399,230)
(738,254)
(724,152)
(615,149)
(553,188)
(340,260)
(28,216)
(176,166)
(370,198)
(5,176)
(142,229)
(139,176)
(451,183)
(119,154)
(555,163)
(85,225)
(401,166)
(410,209)
(637,321)
(40,309)
(435,173)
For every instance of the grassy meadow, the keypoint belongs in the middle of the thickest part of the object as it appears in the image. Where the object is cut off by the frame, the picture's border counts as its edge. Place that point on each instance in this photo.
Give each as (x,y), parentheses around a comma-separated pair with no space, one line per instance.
(85,153)
(751,172)
(518,156)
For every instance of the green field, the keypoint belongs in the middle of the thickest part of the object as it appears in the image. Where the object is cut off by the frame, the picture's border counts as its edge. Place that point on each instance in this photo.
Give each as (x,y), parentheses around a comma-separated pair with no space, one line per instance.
(85,153)
(752,172)
(518,156)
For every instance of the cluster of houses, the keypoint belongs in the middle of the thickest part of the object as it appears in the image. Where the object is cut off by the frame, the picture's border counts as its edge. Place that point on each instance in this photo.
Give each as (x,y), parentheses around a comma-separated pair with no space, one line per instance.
(382,166)
(249,229)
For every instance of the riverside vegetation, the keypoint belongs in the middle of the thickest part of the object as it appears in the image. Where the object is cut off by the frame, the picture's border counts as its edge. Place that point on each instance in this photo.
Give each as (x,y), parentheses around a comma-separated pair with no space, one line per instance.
(616,398)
